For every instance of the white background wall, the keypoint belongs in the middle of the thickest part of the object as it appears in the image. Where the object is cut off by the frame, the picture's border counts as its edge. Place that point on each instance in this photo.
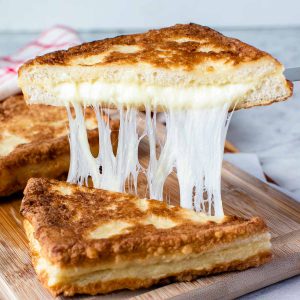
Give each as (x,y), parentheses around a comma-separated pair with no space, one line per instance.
(34,15)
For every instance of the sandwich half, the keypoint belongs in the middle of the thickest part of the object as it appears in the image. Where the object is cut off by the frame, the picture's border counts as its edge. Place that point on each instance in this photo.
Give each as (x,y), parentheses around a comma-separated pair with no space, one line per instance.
(182,66)
(34,142)
(85,240)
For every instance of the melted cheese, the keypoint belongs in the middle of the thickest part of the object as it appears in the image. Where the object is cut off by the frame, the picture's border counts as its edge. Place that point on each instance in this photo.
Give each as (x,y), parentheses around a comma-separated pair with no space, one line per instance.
(87,93)
(196,125)
(193,146)
(116,169)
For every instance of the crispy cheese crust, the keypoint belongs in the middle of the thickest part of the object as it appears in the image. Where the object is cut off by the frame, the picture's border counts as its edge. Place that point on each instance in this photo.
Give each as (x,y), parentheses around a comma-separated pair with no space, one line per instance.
(160,49)
(34,142)
(76,228)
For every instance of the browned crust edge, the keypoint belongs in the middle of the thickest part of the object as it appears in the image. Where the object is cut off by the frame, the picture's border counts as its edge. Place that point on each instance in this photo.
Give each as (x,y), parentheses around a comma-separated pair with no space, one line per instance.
(185,55)
(136,283)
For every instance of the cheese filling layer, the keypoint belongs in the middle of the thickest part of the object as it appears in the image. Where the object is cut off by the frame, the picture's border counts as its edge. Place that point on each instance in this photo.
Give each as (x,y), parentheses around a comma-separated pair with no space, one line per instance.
(156,267)
(87,93)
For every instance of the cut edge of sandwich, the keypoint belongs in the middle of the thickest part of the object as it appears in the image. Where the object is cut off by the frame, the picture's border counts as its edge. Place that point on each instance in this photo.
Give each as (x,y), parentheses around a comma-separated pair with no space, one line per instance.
(237,256)
(91,74)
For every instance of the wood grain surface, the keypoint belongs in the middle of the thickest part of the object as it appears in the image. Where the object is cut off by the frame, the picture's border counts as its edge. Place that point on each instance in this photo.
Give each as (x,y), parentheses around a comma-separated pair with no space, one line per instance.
(242,194)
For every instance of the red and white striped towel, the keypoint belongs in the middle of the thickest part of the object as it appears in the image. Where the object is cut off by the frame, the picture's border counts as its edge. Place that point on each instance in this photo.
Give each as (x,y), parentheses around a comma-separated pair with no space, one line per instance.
(55,38)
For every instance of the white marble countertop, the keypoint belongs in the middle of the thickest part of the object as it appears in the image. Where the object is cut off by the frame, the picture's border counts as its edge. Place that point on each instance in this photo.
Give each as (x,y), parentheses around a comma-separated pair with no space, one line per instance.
(273,132)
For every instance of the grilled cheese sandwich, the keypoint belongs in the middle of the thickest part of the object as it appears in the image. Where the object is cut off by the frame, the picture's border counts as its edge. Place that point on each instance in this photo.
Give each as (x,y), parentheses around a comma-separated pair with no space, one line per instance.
(182,66)
(191,72)
(90,241)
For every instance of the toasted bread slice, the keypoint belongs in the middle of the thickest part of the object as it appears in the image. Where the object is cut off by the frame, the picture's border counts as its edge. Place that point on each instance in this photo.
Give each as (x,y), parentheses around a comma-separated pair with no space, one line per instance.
(90,241)
(182,66)
(34,142)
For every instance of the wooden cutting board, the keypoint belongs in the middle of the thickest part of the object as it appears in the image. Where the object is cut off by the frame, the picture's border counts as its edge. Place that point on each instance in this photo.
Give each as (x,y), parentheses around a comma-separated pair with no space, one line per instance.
(243,195)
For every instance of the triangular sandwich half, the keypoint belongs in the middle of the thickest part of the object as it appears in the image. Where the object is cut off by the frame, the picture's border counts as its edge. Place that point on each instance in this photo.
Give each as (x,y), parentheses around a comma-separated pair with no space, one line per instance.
(182,66)
(91,241)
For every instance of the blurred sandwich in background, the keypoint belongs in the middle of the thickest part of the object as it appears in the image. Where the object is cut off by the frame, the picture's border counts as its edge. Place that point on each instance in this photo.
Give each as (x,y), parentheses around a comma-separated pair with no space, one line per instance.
(34,142)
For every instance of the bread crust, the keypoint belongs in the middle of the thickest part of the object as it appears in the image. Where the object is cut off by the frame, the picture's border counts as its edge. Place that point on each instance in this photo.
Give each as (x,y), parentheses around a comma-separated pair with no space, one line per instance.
(62,228)
(249,104)
(160,49)
(70,289)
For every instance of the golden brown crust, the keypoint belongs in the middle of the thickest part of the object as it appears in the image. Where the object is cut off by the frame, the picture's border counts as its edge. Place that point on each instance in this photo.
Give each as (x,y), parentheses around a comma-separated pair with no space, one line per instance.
(46,150)
(136,283)
(70,289)
(160,48)
(61,225)
(103,287)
